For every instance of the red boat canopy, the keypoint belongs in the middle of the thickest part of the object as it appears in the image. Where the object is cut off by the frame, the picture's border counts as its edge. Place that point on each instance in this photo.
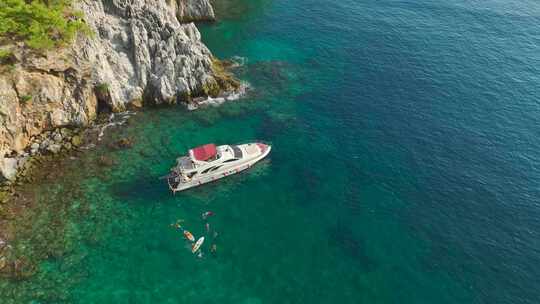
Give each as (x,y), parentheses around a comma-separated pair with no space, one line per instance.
(204,153)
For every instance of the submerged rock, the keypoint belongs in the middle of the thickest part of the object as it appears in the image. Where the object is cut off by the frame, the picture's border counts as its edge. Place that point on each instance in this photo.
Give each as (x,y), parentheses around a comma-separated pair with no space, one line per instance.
(3,263)
(54,148)
(76,141)
(105,161)
(123,143)
(4,194)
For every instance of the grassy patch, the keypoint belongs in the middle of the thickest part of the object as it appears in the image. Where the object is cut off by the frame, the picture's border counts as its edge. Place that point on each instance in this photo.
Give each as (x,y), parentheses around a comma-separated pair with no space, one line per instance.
(102,88)
(40,24)
(26,98)
(5,55)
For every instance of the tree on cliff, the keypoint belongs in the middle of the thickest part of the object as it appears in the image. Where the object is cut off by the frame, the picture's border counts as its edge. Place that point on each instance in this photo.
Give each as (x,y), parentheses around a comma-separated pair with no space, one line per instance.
(40,24)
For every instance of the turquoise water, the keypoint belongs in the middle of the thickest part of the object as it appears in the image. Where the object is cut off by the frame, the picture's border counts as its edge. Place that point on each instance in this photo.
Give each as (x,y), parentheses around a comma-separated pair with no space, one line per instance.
(404,168)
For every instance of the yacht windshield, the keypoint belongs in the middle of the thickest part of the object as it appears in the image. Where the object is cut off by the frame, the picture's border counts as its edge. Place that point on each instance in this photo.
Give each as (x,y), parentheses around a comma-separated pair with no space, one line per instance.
(185,163)
(237,152)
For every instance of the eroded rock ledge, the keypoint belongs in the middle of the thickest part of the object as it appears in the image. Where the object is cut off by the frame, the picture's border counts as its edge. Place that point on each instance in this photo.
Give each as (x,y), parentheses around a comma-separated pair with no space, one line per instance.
(142,51)
(194,10)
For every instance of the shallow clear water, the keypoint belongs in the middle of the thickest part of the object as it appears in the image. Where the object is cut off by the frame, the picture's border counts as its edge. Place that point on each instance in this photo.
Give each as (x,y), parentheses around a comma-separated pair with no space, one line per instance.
(405,166)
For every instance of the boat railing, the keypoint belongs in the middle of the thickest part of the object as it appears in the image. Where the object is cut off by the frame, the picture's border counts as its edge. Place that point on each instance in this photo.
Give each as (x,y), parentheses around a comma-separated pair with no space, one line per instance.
(253,141)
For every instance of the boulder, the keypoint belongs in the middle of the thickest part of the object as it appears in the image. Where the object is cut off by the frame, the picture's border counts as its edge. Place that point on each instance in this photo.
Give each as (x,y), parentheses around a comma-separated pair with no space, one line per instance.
(54,148)
(105,161)
(3,263)
(44,145)
(8,168)
(123,143)
(136,103)
(66,132)
(5,194)
(57,137)
(76,141)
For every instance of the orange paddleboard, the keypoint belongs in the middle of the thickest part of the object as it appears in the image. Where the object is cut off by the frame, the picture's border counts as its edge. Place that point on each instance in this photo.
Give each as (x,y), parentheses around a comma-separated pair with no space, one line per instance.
(189,236)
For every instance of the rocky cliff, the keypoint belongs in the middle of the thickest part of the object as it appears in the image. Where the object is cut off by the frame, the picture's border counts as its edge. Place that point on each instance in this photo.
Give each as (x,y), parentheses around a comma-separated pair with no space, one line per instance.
(140,50)
(194,10)
(41,93)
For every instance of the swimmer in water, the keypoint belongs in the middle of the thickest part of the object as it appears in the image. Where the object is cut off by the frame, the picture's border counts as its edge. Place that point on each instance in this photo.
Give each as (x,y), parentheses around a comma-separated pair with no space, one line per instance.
(213,249)
(177,224)
(207,227)
(207,214)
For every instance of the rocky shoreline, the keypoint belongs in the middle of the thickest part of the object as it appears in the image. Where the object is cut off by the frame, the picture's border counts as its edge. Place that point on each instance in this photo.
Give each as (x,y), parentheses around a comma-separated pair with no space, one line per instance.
(49,142)
(143,53)
(53,156)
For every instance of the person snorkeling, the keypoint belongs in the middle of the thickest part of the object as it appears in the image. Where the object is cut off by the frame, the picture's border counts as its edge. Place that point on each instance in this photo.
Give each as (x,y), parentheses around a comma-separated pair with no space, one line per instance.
(177,224)
(206,214)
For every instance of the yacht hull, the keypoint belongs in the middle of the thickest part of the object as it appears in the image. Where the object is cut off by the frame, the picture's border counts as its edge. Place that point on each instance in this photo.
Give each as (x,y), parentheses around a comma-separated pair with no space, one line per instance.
(217,175)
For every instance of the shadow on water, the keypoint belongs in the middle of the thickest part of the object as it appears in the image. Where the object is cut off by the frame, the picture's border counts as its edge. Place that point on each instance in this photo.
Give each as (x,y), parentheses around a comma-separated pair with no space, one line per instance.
(343,237)
(271,127)
(309,181)
(166,152)
(356,180)
(358,177)
(498,238)
(352,200)
(274,76)
(238,9)
(145,188)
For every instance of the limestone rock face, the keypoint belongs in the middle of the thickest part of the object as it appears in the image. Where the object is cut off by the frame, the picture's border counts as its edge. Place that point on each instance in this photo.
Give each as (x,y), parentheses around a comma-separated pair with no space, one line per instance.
(194,10)
(41,94)
(141,50)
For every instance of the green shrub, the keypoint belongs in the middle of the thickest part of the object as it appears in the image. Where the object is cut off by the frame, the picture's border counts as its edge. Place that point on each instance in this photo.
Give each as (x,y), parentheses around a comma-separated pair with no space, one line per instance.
(41,24)
(5,55)
(102,88)
(25,98)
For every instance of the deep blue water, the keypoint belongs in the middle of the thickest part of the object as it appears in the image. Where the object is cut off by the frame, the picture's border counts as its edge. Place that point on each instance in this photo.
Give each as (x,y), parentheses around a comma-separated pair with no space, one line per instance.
(437,102)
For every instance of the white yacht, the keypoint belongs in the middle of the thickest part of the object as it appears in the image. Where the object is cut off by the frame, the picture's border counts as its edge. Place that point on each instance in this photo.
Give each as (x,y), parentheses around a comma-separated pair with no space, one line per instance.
(210,162)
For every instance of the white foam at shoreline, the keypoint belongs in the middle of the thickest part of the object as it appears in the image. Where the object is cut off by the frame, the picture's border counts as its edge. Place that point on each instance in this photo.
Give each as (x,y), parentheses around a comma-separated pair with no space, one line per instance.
(117,119)
(237,61)
(231,96)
